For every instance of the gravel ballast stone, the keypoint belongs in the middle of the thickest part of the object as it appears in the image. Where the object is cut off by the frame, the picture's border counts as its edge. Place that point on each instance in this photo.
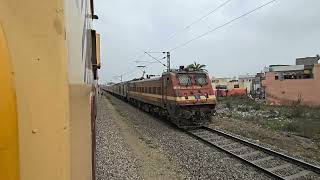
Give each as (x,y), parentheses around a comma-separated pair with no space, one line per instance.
(114,160)
(197,160)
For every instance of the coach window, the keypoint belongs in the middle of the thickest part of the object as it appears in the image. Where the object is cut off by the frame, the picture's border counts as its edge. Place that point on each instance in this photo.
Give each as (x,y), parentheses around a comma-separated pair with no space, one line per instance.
(150,90)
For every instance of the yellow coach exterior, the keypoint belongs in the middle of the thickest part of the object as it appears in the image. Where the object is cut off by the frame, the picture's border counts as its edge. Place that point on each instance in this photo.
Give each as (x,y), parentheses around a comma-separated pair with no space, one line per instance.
(9,157)
(48,44)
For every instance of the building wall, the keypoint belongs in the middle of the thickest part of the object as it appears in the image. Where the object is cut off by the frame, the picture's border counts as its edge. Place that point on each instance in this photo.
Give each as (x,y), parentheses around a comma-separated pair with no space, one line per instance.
(246,84)
(307,60)
(288,91)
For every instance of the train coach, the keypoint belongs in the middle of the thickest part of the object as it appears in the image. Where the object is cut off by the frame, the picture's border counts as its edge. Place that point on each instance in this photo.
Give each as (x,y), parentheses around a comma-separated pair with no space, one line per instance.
(183,96)
(49,63)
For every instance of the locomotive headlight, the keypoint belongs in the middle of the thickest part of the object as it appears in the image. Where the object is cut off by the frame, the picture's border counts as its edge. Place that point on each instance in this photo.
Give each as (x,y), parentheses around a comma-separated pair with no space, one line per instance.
(186,96)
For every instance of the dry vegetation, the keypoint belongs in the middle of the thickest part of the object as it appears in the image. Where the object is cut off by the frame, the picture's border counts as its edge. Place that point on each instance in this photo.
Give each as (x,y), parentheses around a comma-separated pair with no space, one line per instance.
(297,119)
(296,129)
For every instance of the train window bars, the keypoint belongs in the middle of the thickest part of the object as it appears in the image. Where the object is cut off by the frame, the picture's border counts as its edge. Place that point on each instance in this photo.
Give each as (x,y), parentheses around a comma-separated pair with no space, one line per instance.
(200,79)
(184,79)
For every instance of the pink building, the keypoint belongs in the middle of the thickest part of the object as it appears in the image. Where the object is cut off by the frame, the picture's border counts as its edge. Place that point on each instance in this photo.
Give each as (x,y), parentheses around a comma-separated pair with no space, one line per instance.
(292,84)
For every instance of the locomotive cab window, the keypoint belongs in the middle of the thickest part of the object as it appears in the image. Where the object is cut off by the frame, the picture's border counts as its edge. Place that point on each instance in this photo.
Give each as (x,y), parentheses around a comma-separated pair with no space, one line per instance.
(184,79)
(200,79)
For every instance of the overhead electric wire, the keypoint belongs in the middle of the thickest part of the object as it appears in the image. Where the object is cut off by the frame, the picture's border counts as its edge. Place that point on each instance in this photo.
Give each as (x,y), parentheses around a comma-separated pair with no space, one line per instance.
(129,73)
(156,59)
(186,27)
(199,19)
(204,34)
(221,26)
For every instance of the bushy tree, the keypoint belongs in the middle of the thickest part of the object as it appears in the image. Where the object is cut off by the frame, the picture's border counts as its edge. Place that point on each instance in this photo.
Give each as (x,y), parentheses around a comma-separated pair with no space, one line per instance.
(197,67)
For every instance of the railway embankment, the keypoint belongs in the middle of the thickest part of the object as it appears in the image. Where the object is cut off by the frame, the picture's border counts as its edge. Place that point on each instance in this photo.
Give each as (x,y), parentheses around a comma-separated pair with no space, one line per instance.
(294,130)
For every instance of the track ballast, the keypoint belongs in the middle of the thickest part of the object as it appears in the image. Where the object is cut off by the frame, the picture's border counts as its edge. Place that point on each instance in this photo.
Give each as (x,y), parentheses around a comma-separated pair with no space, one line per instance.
(275,164)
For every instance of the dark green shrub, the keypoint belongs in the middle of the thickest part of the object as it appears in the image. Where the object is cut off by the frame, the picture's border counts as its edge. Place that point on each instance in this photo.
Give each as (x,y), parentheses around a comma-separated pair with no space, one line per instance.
(298,111)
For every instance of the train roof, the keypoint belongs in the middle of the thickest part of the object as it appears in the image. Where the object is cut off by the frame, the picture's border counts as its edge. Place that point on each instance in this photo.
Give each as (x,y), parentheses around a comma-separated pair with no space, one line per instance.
(177,71)
(145,80)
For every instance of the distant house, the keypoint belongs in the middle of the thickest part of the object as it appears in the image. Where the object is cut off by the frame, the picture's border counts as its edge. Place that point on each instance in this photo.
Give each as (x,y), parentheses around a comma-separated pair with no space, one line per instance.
(227,86)
(299,83)
(245,81)
(229,83)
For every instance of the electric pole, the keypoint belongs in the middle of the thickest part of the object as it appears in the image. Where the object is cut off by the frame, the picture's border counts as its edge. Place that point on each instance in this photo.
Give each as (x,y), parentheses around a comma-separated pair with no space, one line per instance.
(168,61)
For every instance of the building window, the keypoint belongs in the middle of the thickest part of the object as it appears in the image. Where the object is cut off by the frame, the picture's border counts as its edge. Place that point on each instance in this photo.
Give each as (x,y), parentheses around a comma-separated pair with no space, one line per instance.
(276,77)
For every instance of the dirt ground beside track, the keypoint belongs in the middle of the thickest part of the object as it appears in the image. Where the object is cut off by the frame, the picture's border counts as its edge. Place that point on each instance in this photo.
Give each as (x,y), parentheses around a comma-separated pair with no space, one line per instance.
(293,145)
(270,131)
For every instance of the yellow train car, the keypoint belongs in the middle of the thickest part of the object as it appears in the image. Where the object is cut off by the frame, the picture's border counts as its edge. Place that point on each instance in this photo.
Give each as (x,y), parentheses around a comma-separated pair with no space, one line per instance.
(49,58)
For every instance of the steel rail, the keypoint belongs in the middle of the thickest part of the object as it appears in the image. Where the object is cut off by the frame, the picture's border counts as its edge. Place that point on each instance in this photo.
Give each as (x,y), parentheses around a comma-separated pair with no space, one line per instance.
(271,152)
(285,157)
(233,154)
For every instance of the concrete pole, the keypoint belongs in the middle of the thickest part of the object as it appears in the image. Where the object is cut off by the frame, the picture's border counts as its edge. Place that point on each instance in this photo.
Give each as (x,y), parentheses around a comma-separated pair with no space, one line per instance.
(168,61)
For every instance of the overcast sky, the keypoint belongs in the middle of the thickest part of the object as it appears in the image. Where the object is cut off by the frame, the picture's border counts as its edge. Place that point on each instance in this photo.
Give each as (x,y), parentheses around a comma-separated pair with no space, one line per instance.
(275,34)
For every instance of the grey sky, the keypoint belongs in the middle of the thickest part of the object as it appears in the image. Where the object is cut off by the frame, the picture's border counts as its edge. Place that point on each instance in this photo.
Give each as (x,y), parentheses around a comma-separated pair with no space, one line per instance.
(276,34)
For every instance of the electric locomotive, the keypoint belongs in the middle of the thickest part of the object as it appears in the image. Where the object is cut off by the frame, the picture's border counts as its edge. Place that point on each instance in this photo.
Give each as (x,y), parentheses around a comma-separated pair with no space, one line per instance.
(185,97)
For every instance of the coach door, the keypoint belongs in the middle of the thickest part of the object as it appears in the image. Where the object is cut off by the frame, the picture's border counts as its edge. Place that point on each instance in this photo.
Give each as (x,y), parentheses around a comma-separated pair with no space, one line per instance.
(165,86)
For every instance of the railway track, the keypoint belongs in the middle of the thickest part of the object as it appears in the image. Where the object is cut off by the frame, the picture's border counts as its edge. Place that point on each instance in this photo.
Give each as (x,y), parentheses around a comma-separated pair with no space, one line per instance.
(275,164)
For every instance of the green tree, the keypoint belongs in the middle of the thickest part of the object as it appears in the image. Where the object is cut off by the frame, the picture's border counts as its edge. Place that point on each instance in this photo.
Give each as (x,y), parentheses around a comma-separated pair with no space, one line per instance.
(197,67)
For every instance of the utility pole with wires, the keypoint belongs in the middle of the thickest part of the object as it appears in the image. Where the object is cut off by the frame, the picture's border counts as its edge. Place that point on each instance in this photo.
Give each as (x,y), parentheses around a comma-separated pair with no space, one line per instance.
(168,61)
(167,57)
